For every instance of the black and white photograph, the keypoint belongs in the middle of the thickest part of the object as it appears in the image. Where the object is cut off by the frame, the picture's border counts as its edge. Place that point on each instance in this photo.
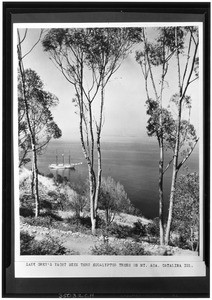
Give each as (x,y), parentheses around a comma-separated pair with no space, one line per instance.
(108,141)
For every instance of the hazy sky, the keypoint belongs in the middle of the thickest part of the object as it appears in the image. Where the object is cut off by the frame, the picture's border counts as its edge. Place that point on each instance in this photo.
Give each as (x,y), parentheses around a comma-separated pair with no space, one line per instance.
(125,111)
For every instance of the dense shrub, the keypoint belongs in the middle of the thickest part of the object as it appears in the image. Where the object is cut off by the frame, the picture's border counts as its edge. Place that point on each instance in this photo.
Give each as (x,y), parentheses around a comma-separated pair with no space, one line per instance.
(26,212)
(25,242)
(49,246)
(123,231)
(182,241)
(77,204)
(82,224)
(139,229)
(186,212)
(50,175)
(58,199)
(27,200)
(84,221)
(130,248)
(119,231)
(45,220)
(46,204)
(104,249)
(113,199)
(127,248)
(153,228)
(58,179)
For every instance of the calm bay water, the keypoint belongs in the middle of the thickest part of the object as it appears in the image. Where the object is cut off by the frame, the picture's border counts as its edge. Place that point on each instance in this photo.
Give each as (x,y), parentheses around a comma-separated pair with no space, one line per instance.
(133,164)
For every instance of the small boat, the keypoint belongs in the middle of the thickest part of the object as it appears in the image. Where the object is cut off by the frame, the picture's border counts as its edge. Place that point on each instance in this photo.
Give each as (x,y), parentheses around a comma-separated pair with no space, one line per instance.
(63,166)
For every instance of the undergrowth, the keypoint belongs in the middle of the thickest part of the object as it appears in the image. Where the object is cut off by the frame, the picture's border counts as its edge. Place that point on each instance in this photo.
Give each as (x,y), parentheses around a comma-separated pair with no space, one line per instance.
(47,246)
(126,248)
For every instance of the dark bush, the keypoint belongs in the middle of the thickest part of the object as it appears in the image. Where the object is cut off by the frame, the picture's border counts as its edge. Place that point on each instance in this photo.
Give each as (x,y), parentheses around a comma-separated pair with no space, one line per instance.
(50,175)
(181,242)
(25,240)
(127,248)
(139,229)
(27,200)
(104,249)
(59,179)
(119,231)
(133,249)
(46,204)
(50,246)
(85,221)
(45,220)
(55,217)
(39,221)
(26,212)
(185,222)
(153,228)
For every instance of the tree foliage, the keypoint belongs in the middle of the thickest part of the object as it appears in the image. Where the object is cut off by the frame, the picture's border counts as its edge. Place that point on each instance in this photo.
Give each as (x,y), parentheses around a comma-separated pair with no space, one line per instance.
(42,123)
(186,210)
(113,199)
(88,57)
(170,124)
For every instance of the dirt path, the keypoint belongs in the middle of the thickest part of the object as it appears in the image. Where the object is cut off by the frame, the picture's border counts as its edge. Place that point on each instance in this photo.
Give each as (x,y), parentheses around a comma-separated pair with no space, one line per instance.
(74,241)
(79,243)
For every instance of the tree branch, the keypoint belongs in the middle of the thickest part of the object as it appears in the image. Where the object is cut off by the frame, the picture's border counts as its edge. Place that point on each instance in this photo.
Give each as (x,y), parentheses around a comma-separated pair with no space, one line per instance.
(188,155)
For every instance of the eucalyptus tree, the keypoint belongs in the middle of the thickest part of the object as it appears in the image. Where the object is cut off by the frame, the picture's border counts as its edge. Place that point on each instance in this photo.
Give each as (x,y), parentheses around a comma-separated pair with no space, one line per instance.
(187,73)
(87,58)
(176,134)
(36,125)
(186,210)
(38,117)
(154,58)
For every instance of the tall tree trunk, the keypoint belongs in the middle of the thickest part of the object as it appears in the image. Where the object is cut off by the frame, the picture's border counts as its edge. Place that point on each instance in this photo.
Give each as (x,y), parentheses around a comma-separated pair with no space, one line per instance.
(98,145)
(177,145)
(88,156)
(99,175)
(160,185)
(92,214)
(32,137)
(35,177)
(174,174)
(158,98)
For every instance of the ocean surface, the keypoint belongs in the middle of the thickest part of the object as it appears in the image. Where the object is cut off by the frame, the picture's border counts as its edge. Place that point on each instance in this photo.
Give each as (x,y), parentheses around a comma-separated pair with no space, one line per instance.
(134,164)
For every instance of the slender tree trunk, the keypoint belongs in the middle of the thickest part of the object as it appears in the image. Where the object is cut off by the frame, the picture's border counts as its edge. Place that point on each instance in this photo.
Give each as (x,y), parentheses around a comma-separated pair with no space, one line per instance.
(92,180)
(32,137)
(93,212)
(160,185)
(99,155)
(159,99)
(99,175)
(35,177)
(177,145)
(88,156)
(174,175)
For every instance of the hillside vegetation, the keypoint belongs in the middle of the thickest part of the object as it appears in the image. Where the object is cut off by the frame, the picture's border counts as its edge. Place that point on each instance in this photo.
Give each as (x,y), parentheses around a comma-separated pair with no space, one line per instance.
(64,226)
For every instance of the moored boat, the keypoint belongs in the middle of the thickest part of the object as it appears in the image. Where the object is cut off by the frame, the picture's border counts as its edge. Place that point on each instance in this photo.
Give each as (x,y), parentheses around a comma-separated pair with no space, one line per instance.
(63,166)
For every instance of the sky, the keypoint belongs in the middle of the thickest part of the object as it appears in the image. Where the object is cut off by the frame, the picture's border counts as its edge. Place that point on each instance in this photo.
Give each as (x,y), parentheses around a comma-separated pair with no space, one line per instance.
(124,112)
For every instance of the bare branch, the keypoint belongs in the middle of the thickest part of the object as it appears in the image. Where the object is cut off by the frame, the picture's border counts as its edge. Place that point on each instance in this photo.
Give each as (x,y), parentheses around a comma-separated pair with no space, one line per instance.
(188,155)
(168,165)
(33,45)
